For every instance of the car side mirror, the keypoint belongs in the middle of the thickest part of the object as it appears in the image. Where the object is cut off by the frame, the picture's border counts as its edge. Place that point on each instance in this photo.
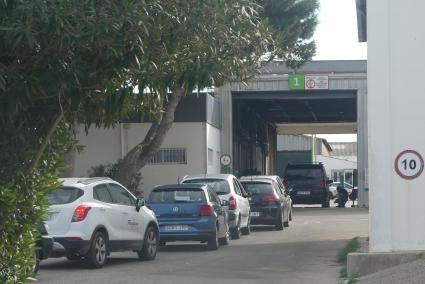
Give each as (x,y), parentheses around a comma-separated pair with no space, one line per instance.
(329,181)
(224,202)
(140,202)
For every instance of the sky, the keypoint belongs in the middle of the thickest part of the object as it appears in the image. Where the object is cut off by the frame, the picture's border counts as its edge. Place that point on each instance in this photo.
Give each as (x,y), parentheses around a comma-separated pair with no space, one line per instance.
(336,39)
(336,33)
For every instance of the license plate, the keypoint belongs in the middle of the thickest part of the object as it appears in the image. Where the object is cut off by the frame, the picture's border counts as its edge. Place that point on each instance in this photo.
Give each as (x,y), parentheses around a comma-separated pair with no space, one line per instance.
(303,192)
(52,216)
(176,228)
(255,214)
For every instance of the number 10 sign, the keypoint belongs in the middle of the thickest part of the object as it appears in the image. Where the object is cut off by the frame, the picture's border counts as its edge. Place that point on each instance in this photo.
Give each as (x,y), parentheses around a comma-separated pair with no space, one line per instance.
(409,164)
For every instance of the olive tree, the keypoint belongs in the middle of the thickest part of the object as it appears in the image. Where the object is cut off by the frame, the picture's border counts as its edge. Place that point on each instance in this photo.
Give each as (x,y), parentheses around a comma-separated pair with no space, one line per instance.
(206,43)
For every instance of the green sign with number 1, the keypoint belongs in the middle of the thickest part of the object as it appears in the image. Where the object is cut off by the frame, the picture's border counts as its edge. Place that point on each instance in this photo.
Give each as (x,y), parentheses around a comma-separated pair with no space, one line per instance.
(296,82)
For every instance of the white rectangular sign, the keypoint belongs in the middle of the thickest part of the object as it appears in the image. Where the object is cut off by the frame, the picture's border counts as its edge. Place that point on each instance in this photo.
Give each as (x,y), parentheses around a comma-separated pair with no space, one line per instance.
(316,82)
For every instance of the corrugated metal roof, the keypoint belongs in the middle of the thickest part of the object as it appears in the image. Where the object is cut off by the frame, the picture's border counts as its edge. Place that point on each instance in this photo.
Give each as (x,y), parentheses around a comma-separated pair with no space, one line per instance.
(344,148)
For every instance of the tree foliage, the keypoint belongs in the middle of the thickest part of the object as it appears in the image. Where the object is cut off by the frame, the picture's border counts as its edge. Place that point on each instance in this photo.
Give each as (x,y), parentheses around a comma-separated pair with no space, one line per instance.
(64,62)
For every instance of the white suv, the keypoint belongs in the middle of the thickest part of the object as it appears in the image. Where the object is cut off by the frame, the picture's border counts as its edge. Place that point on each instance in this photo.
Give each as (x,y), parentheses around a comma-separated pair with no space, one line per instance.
(234,198)
(91,217)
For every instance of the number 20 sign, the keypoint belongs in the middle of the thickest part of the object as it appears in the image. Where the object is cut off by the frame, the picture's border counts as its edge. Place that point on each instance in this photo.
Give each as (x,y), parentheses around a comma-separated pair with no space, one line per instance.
(409,164)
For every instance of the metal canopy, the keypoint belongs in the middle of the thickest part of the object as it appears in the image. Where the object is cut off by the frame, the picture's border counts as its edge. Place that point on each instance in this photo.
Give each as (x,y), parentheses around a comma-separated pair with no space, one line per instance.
(279,107)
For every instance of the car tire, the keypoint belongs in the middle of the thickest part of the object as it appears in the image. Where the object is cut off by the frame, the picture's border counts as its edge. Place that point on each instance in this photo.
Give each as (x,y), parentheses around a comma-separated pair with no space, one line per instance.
(247,230)
(236,232)
(286,223)
(326,202)
(35,261)
(213,242)
(290,215)
(150,244)
(98,251)
(226,240)
(279,221)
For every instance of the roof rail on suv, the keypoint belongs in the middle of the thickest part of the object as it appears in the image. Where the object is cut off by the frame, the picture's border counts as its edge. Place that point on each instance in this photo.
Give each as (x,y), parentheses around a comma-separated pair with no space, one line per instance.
(87,181)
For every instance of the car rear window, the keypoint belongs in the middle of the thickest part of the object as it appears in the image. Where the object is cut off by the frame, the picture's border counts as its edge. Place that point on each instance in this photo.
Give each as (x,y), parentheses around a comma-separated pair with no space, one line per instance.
(258,187)
(303,174)
(177,196)
(64,195)
(220,186)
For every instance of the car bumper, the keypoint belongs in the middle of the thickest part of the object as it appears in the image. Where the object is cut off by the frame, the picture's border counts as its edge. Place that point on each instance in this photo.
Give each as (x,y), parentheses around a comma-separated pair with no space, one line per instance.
(65,246)
(312,198)
(267,215)
(170,237)
(45,244)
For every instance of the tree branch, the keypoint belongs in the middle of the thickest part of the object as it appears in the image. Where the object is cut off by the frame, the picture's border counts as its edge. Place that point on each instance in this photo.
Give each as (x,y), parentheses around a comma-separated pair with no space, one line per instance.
(49,135)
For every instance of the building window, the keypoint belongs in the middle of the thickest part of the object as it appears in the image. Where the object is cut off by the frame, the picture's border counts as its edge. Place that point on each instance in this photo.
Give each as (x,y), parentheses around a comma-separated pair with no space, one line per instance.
(169,156)
(210,156)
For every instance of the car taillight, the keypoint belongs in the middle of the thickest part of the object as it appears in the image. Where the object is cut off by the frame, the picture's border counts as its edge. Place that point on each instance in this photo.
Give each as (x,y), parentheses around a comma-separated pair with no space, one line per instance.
(80,213)
(232,203)
(206,210)
(270,198)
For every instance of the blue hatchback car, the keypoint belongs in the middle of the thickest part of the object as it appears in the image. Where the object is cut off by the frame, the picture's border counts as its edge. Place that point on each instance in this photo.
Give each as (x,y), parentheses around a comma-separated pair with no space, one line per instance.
(190,212)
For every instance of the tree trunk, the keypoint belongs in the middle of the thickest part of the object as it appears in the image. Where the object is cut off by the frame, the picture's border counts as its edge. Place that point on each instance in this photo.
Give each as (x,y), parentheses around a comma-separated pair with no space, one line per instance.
(137,157)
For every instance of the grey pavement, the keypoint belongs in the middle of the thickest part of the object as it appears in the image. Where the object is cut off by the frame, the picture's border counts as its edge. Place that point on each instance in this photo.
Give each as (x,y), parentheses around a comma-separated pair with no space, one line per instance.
(408,273)
(303,253)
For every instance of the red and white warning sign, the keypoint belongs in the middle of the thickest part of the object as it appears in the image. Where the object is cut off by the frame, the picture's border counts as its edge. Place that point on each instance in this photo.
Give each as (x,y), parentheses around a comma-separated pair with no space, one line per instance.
(316,82)
(225,160)
(409,164)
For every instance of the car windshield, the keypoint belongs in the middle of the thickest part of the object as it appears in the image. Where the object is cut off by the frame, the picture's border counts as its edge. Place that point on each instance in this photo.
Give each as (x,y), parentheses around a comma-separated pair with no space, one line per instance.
(258,187)
(220,186)
(303,174)
(177,196)
(64,195)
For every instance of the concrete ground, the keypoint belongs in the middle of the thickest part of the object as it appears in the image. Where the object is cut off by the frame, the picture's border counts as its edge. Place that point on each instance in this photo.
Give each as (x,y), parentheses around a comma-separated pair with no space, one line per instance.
(411,273)
(303,253)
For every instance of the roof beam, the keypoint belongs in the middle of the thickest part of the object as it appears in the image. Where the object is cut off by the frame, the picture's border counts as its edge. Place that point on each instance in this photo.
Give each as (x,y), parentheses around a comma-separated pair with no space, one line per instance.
(316,128)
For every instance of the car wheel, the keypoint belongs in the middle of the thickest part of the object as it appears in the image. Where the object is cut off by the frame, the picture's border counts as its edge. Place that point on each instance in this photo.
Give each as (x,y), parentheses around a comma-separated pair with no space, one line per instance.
(213,242)
(35,261)
(286,223)
(326,202)
(236,232)
(150,244)
(247,229)
(226,240)
(97,254)
(279,221)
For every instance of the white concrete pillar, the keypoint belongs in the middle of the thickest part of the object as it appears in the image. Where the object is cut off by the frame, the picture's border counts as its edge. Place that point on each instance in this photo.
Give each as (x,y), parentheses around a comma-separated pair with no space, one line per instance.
(396,112)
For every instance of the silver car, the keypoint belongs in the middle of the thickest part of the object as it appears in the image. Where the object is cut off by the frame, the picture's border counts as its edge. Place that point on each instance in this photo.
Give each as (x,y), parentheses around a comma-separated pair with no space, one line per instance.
(234,197)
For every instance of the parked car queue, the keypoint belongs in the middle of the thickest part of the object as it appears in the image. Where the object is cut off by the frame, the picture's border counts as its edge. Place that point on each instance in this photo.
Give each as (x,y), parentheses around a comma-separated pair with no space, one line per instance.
(93,217)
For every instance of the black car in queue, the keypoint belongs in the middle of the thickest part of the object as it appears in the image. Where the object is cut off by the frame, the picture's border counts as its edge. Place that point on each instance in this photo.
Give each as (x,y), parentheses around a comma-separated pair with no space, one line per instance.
(269,206)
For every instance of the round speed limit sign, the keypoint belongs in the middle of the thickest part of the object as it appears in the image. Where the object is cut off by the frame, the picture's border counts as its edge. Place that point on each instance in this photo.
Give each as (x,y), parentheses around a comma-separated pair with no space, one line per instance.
(409,164)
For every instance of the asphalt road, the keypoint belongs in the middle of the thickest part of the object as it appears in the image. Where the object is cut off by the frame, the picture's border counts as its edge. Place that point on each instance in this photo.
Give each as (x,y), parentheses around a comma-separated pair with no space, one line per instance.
(303,253)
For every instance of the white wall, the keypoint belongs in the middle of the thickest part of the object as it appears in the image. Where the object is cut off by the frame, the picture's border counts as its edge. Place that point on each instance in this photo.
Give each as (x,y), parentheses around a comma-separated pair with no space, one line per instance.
(333,163)
(213,143)
(396,114)
(103,146)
